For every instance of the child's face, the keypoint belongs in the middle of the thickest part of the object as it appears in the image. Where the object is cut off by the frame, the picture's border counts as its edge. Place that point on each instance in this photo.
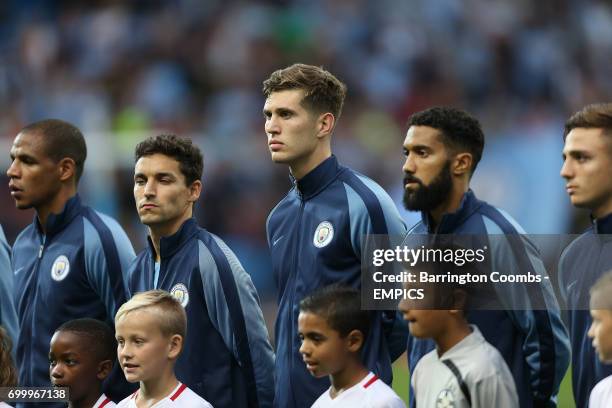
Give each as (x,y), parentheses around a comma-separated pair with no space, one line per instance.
(324,351)
(73,365)
(144,353)
(601,333)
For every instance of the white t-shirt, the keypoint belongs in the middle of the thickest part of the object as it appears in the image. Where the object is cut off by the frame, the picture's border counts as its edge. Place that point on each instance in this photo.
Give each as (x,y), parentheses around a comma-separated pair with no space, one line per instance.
(4,405)
(371,392)
(601,394)
(104,402)
(181,396)
(485,375)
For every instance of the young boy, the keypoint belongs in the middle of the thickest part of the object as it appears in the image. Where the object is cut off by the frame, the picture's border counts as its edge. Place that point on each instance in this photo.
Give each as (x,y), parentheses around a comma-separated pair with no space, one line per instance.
(601,333)
(464,370)
(81,356)
(150,329)
(333,329)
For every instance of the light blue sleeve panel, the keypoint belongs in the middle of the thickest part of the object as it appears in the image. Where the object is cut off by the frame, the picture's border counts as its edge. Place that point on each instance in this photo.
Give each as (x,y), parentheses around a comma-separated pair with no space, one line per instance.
(8,314)
(101,276)
(360,215)
(540,327)
(261,351)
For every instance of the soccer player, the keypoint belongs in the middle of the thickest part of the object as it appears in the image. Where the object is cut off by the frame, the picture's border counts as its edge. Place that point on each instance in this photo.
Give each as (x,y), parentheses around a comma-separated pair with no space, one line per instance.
(464,370)
(81,356)
(315,232)
(8,372)
(333,328)
(587,165)
(69,262)
(601,333)
(443,147)
(8,314)
(227,331)
(150,330)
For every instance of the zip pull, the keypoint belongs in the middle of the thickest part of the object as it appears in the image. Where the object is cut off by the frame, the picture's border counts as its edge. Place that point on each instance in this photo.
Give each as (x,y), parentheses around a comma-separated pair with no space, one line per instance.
(40,251)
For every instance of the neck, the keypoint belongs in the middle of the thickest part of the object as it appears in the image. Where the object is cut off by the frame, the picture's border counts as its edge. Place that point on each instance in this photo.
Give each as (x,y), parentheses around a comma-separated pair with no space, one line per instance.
(451,204)
(158,231)
(156,389)
(458,330)
(348,377)
(88,401)
(54,206)
(301,167)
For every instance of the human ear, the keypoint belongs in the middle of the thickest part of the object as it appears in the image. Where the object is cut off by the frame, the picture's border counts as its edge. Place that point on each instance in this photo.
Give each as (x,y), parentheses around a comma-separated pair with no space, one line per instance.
(104,369)
(325,124)
(195,190)
(459,300)
(355,340)
(462,164)
(175,346)
(66,168)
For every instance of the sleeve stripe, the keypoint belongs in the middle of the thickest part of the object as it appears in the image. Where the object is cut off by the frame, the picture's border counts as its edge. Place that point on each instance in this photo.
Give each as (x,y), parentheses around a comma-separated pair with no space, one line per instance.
(545,333)
(375,211)
(230,291)
(111,256)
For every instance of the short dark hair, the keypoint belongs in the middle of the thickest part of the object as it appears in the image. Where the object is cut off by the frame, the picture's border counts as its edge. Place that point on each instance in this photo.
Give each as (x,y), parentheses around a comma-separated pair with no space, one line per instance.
(180,149)
(62,139)
(323,92)
(597,115)
(460,130)
(98,336)
(340,306)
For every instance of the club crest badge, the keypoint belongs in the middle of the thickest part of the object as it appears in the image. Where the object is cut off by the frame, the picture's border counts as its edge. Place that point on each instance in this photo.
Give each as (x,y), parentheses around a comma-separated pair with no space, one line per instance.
(60,268)
(323,234)
(180,293)
(445,399)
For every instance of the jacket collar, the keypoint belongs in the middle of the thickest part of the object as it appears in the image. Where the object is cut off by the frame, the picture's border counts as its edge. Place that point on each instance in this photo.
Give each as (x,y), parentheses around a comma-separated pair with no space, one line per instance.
(603,225)
(451,221)
(318,178)
(172,243)
(57,222)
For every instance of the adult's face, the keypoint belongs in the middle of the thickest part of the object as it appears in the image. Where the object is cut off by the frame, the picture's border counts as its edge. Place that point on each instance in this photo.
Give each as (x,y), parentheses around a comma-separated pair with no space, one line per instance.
(34,178)
(163,199)
(427,174)
(290,127)
(587,164)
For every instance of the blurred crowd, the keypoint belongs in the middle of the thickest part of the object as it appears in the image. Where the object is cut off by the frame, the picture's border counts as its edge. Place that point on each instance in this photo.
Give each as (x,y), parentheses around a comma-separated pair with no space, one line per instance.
(123,70)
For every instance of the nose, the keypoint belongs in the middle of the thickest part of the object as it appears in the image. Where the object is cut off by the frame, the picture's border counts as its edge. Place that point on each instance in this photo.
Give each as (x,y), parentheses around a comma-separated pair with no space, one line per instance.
(124,352)
(304,349)
(271,127)
(591,332)
(12,171)
(566,170)
(409,166)
(150,189)
(57,371)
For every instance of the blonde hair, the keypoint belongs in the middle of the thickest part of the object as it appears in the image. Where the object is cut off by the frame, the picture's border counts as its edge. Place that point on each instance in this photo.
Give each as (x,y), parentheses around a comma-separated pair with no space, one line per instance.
(171,317)
(8,372)
(603,286)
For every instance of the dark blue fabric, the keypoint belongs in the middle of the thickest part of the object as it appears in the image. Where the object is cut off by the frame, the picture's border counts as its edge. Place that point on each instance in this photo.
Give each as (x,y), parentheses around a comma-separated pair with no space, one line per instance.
(300,267)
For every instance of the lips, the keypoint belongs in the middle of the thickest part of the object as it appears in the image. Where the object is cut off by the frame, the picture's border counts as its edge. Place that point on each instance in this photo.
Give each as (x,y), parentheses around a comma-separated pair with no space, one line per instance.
(275,145)
(148,206)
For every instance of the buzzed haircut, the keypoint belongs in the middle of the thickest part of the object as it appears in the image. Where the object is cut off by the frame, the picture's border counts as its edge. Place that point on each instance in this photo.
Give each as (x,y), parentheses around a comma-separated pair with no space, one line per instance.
(601,292)
(62,139)
(597,115)
(171,317)
(96,335)
(323,92)
(180,149)
(340,306)
(460,131)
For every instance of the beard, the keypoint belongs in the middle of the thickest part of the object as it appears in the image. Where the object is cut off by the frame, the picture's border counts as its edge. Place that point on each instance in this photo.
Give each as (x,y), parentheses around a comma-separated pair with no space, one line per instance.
(428,197)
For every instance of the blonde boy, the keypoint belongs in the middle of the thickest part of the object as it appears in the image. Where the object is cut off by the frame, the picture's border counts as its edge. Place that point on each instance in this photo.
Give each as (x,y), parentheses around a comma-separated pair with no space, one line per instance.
(150,329)
(601,333)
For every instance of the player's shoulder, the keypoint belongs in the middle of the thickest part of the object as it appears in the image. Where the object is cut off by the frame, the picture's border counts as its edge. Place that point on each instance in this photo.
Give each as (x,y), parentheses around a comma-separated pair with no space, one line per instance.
(127,401)
(601,393)
(381,395)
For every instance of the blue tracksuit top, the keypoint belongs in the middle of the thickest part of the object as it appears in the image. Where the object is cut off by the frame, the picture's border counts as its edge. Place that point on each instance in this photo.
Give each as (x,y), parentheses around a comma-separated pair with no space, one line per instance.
(534,343)
(227,357)
(74,270)
(314,235)
(583,262)
(8,315)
